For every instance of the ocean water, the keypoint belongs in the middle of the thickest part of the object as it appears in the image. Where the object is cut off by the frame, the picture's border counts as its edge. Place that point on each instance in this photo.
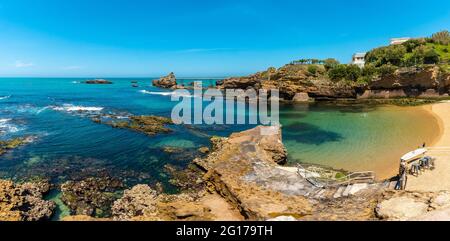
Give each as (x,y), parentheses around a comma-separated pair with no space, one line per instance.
(68,145)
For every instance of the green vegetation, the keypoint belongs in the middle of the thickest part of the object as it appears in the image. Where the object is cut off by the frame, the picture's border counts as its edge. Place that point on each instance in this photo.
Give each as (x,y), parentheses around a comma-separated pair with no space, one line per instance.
(415,52)
(381,61)
(312,69)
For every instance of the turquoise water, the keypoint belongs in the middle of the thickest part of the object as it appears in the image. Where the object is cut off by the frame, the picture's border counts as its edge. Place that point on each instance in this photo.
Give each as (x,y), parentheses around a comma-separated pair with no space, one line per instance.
(68,145)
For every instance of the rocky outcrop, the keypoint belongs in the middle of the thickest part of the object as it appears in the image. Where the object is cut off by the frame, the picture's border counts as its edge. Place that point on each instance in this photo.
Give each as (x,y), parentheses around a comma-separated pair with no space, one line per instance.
(13,143)
(301,97)
(24,202)
(167,82)
(424,82)
(98,82)
(138,201)
(406,205)
(291,80)
(149,125)
(92,196)
(244,171)
(142,203)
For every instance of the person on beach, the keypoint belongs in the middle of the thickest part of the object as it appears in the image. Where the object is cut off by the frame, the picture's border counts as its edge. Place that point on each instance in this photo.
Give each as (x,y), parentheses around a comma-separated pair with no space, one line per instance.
(402,176)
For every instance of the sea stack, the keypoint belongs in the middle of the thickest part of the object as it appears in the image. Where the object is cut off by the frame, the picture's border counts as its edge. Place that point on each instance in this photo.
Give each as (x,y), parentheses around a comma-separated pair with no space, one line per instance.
(167,82)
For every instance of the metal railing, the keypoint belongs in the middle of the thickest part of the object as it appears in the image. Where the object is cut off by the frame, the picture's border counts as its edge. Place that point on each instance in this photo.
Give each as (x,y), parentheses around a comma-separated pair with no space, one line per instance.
(352,178)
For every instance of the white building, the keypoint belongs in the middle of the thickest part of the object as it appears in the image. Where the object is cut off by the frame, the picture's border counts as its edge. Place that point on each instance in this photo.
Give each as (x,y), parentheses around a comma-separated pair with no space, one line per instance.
(396,41)
(359,59)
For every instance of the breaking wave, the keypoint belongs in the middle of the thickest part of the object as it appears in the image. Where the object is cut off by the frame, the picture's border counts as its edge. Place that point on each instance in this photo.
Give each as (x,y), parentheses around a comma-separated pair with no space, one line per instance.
(7,127)
(166,93)
(77,108)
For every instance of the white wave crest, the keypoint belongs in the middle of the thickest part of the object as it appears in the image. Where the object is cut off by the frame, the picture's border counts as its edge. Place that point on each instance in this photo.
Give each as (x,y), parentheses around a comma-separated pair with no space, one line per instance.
(76,108)
(4,97)
(6,127)
(167,94)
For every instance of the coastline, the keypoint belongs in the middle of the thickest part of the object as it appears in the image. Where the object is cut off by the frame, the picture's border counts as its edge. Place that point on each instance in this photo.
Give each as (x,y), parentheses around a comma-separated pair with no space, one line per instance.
(439,178)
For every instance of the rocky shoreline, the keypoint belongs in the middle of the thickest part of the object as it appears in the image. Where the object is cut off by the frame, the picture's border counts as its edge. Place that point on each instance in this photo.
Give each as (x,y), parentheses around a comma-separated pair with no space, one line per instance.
(242,178)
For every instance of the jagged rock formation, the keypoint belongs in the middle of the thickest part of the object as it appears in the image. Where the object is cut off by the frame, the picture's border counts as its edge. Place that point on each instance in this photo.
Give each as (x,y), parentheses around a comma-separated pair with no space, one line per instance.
(91,196)
(167,82)
(24,202)
(142,203)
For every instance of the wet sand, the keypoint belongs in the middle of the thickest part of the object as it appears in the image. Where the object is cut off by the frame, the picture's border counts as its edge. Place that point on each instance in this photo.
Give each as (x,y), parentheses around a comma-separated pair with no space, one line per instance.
(439,178)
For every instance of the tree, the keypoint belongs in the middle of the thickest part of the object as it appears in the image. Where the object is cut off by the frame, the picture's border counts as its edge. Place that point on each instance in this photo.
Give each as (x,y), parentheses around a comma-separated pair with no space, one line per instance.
(430,56)
(338,72)
(352,72)
(330,63)
(368,70)
(422,55)
(387,69)
(442,37)
(393,55)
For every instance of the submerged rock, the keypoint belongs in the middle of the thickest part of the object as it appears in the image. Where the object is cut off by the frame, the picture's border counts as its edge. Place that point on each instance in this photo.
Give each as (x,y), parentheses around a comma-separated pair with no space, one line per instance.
(13,143)
(150,125)
(91,196)
(188,179)
(24,202)
(166,82)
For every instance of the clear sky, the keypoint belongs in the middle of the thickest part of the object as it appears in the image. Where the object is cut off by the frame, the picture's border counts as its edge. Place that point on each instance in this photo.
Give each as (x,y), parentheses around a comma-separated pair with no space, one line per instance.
(215,38)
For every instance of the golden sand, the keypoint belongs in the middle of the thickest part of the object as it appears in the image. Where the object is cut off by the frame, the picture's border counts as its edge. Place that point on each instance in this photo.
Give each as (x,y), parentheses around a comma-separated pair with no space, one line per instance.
(439,178)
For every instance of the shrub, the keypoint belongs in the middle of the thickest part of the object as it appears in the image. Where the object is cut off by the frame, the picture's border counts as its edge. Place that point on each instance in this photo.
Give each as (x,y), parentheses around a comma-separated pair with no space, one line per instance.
(386,55)
(352,72)
(312,69)
(368,70)
(338,72)
(386,69)
(330,63)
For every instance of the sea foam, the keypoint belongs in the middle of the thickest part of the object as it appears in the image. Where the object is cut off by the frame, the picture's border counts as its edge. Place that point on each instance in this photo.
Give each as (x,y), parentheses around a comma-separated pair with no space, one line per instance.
(76,108)
(6,127)
(4,97)
(166,94)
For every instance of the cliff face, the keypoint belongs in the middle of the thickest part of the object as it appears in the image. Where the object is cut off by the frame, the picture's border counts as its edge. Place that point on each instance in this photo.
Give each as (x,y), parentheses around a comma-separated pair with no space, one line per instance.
(290,80)
(424,82)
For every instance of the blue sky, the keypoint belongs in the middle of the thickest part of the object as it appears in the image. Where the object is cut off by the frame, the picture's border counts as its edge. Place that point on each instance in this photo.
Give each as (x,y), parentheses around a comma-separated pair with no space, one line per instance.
(117,38)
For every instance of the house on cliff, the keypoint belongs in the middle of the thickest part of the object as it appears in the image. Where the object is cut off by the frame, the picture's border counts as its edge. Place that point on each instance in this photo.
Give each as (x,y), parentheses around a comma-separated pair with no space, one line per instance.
(397,41)
(359,59)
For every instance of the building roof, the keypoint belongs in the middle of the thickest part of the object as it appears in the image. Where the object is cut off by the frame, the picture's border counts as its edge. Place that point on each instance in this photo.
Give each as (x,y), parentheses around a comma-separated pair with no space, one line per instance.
(359,55)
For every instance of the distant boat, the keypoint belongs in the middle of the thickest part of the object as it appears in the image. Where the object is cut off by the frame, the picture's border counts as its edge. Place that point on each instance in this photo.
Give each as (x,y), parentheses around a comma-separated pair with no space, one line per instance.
(414,155)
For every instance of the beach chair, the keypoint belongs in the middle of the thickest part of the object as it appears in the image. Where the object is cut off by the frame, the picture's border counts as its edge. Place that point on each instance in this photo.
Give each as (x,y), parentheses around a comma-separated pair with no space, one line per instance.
(425,162)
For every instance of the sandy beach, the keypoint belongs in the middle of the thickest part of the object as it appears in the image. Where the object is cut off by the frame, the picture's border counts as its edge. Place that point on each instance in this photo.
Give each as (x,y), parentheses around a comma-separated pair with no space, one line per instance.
(439,178)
